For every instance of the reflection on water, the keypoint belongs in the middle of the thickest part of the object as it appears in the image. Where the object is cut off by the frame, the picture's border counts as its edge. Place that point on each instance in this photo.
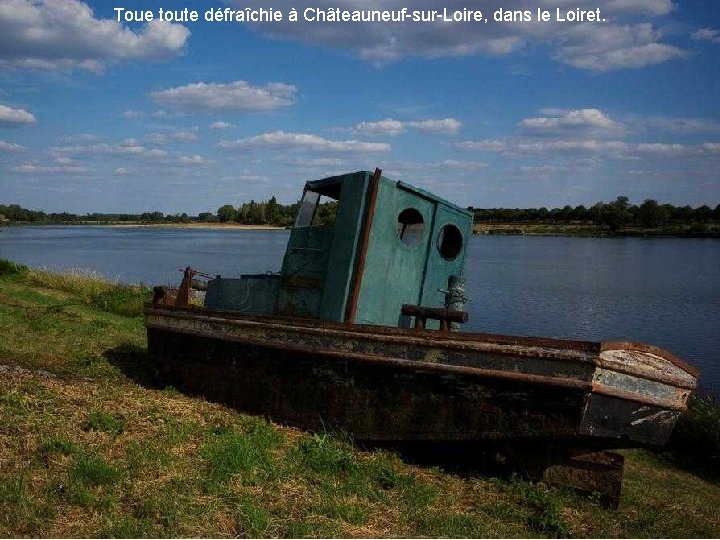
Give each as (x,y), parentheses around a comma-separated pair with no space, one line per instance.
(661,291)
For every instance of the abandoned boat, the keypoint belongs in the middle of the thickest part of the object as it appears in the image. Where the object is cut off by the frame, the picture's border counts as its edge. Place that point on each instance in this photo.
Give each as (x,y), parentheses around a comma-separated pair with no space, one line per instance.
(358,332)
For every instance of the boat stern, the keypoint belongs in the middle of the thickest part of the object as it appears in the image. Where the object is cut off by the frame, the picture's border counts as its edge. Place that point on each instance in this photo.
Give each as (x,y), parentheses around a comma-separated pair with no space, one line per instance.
(638,393)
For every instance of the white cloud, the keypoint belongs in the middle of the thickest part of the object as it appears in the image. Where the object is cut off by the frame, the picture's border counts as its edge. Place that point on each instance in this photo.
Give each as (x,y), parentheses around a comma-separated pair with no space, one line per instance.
(308,141)
(238,96)
(131,114)
(612,47)
(392,127)
(10,117)
(324,162)
(610,149)
(576,140)
(315,162)
(592,135)
(122,171)
(11,147)
(130,151)
(592,46)
(221,125)
(248,178)
(156,138)
(707,34)
(652,7)
(100,148)
(78,137)
(388,126)
(665,149)
(128,147)
(679,125)
(464,165)
(30,168)
(486,145)
(192,160)
(530,146)
(64,34)
(184,135)
(445,125)
(581,121)
(404,168)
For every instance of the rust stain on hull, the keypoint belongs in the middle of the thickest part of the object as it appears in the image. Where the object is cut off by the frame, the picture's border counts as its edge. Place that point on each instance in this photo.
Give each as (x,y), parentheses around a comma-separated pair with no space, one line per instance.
(383,384)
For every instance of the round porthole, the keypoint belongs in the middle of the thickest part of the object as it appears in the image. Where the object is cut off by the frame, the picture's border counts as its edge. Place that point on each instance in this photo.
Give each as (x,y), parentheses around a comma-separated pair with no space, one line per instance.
(410,226)
(450,242)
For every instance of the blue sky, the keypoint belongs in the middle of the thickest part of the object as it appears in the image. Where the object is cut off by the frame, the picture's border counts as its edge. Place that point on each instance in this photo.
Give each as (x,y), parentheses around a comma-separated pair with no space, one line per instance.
(108,116)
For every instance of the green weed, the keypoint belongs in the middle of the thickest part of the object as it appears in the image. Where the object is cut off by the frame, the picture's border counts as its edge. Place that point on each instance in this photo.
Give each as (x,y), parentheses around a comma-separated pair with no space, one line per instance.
(545,506)
(352,513)
(322,454)
(451,525)
(253,521)
(92,470)
(696,439)
(249,453)
(9,268)
(103,421)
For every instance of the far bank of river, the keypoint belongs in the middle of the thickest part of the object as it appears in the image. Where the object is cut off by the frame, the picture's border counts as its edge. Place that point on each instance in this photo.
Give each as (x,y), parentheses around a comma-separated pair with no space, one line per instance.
(590,230)
(698,230)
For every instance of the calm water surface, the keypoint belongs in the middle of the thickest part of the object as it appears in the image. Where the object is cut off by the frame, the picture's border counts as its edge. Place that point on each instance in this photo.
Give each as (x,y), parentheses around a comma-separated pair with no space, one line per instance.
(660,291)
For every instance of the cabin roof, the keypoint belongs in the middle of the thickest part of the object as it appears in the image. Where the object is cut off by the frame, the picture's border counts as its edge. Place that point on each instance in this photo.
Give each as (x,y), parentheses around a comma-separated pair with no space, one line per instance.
(330,187)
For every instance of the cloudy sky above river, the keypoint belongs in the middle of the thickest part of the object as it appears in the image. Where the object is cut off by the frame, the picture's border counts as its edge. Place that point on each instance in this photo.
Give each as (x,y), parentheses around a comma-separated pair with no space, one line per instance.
(101,115)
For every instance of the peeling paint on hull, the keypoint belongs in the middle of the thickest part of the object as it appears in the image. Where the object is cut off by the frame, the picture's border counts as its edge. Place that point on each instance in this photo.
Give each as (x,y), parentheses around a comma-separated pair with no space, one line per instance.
(389,384)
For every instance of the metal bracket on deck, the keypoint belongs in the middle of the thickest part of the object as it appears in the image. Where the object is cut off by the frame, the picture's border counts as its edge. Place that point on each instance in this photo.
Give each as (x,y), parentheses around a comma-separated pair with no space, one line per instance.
(445,316)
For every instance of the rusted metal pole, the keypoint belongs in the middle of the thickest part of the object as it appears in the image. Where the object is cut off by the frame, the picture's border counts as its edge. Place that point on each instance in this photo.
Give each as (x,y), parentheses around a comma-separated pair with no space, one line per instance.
(363,246)
(445,316)
(434,313)
(183,295)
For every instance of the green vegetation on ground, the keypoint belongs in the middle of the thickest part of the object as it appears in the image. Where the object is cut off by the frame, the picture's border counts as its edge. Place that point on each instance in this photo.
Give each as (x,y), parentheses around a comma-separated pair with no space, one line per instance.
(89,447)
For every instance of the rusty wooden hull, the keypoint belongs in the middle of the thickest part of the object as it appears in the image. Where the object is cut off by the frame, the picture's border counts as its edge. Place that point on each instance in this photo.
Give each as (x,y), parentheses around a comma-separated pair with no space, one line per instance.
(390,384)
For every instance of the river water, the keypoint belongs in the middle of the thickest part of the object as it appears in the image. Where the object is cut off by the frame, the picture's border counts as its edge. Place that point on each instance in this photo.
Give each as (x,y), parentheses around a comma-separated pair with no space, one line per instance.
(660,291)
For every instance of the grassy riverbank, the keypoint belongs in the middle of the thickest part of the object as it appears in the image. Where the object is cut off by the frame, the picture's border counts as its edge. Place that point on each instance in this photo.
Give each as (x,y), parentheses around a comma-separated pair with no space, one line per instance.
(89,447)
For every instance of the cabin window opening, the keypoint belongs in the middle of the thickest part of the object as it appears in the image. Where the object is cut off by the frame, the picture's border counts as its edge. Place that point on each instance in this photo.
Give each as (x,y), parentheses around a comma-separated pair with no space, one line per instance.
(318,206)
(450,242)
(410,226)
(306,211)
(326,211)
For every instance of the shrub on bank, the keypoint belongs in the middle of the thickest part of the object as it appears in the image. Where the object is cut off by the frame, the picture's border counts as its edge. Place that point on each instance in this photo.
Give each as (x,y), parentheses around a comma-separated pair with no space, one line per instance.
(88,288)
(696,438)
(9,268)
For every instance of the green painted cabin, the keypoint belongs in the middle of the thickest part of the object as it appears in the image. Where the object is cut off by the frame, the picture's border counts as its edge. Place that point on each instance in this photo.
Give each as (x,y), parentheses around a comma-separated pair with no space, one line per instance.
(416,241)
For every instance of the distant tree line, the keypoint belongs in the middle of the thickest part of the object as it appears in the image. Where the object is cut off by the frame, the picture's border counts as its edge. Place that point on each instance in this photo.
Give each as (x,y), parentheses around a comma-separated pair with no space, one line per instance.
(613,215)
(269,212)
(16,213)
